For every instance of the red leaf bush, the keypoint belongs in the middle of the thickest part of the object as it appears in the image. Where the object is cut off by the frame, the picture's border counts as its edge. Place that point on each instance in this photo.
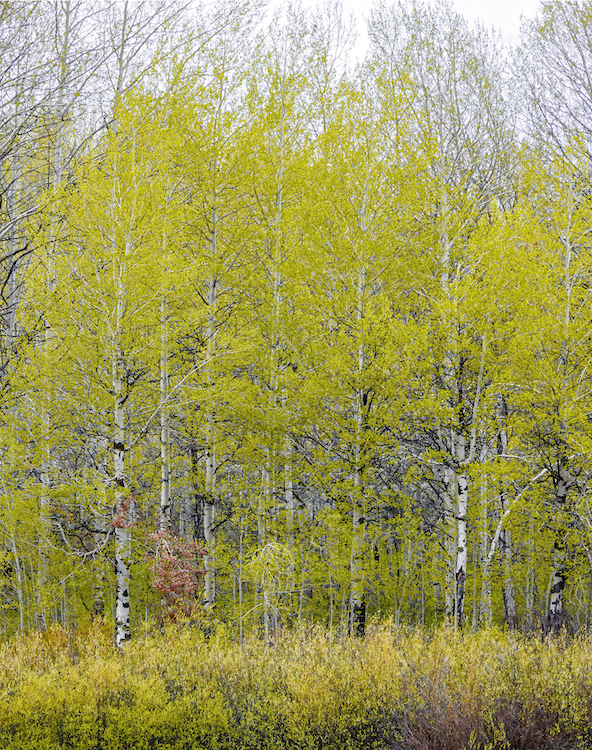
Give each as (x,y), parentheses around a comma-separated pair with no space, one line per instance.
(176,571)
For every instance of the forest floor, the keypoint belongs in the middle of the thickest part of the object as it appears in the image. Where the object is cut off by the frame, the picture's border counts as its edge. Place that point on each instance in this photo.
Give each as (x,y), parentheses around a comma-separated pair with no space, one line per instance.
(398,689)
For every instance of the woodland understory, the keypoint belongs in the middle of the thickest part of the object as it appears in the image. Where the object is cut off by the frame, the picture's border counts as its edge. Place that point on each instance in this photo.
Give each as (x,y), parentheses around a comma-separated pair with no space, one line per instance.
(399,688)
(290,337)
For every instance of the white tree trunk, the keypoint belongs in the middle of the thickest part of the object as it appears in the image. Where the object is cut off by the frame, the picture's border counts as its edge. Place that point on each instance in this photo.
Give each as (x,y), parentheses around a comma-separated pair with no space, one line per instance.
(358,604)
(449,486)
(209,521)
(485,609)
(62,37)
(123,515)
(165,478)
(210,457)
(122,530)
(461,549)
(556,614)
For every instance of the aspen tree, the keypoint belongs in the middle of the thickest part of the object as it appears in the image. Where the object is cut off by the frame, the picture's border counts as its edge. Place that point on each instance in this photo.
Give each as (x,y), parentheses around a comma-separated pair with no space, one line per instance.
(556,348)
(103,317)
(555,97)
(214,155)
(33,149)
(56,66)
(351,278)
(335,301)
(278,105)
(553,87)
(450,80)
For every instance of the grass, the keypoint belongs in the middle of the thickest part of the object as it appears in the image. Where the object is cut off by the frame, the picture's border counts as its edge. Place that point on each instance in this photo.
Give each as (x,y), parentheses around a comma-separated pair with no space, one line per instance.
(398,689)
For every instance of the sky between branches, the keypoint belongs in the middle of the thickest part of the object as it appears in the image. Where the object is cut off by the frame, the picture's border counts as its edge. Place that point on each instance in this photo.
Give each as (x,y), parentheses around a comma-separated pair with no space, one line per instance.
(503,14)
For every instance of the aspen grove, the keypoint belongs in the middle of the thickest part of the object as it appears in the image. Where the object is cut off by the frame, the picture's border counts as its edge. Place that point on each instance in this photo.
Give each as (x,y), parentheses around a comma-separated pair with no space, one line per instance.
(291,337)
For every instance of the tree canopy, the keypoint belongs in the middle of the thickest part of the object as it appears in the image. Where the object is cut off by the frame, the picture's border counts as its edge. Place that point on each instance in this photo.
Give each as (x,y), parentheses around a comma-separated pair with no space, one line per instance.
(286,338)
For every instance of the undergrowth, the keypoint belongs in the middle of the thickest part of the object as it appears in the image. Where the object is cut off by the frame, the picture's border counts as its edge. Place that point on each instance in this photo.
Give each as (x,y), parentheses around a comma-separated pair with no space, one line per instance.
(396,690)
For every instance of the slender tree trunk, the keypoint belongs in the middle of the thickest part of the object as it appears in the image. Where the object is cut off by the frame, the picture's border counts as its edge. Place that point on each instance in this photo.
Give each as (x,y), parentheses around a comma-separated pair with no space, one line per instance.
(462,484)
(556,615)
(455,480)
(475,624)
(305,585)
(563,478)
(530,587)
(98,582)
(19,584)
(240,581)
(358,602)
(98,571)
(197,503)
(485,609)
(210,457)
(450,544)
(209,524)
(122,520)
(331,604)
(289,500)
(63,40)
(165,478)
(508,583)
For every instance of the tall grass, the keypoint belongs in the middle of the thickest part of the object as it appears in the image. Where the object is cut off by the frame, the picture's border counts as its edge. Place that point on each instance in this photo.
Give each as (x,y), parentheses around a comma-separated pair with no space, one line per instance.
(397,689)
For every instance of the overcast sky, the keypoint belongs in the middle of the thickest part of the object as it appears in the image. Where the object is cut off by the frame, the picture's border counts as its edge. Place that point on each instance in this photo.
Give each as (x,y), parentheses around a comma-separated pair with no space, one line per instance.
(504,14)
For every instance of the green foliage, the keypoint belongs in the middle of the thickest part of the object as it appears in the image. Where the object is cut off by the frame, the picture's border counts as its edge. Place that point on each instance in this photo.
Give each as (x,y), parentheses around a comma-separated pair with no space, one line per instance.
(327,300)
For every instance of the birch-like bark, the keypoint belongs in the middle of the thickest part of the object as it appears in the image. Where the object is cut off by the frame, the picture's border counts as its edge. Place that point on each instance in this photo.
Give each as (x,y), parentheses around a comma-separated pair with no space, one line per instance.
(289,501)
(122,520)
(209,521)
(240,581)
(563,479)
(462,484)
(274,247)
(556,614)
(448,444)
(358,603)
(530,593)
(505,538)
(449,491)
(485,608)
(210,453)
(165,471)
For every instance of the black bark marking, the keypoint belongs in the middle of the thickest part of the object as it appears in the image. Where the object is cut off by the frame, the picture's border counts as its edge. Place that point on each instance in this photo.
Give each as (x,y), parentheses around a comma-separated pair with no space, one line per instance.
(359,619)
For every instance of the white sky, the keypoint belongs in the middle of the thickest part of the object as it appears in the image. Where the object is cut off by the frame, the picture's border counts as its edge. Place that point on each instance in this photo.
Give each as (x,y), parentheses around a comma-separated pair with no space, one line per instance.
(504,14)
